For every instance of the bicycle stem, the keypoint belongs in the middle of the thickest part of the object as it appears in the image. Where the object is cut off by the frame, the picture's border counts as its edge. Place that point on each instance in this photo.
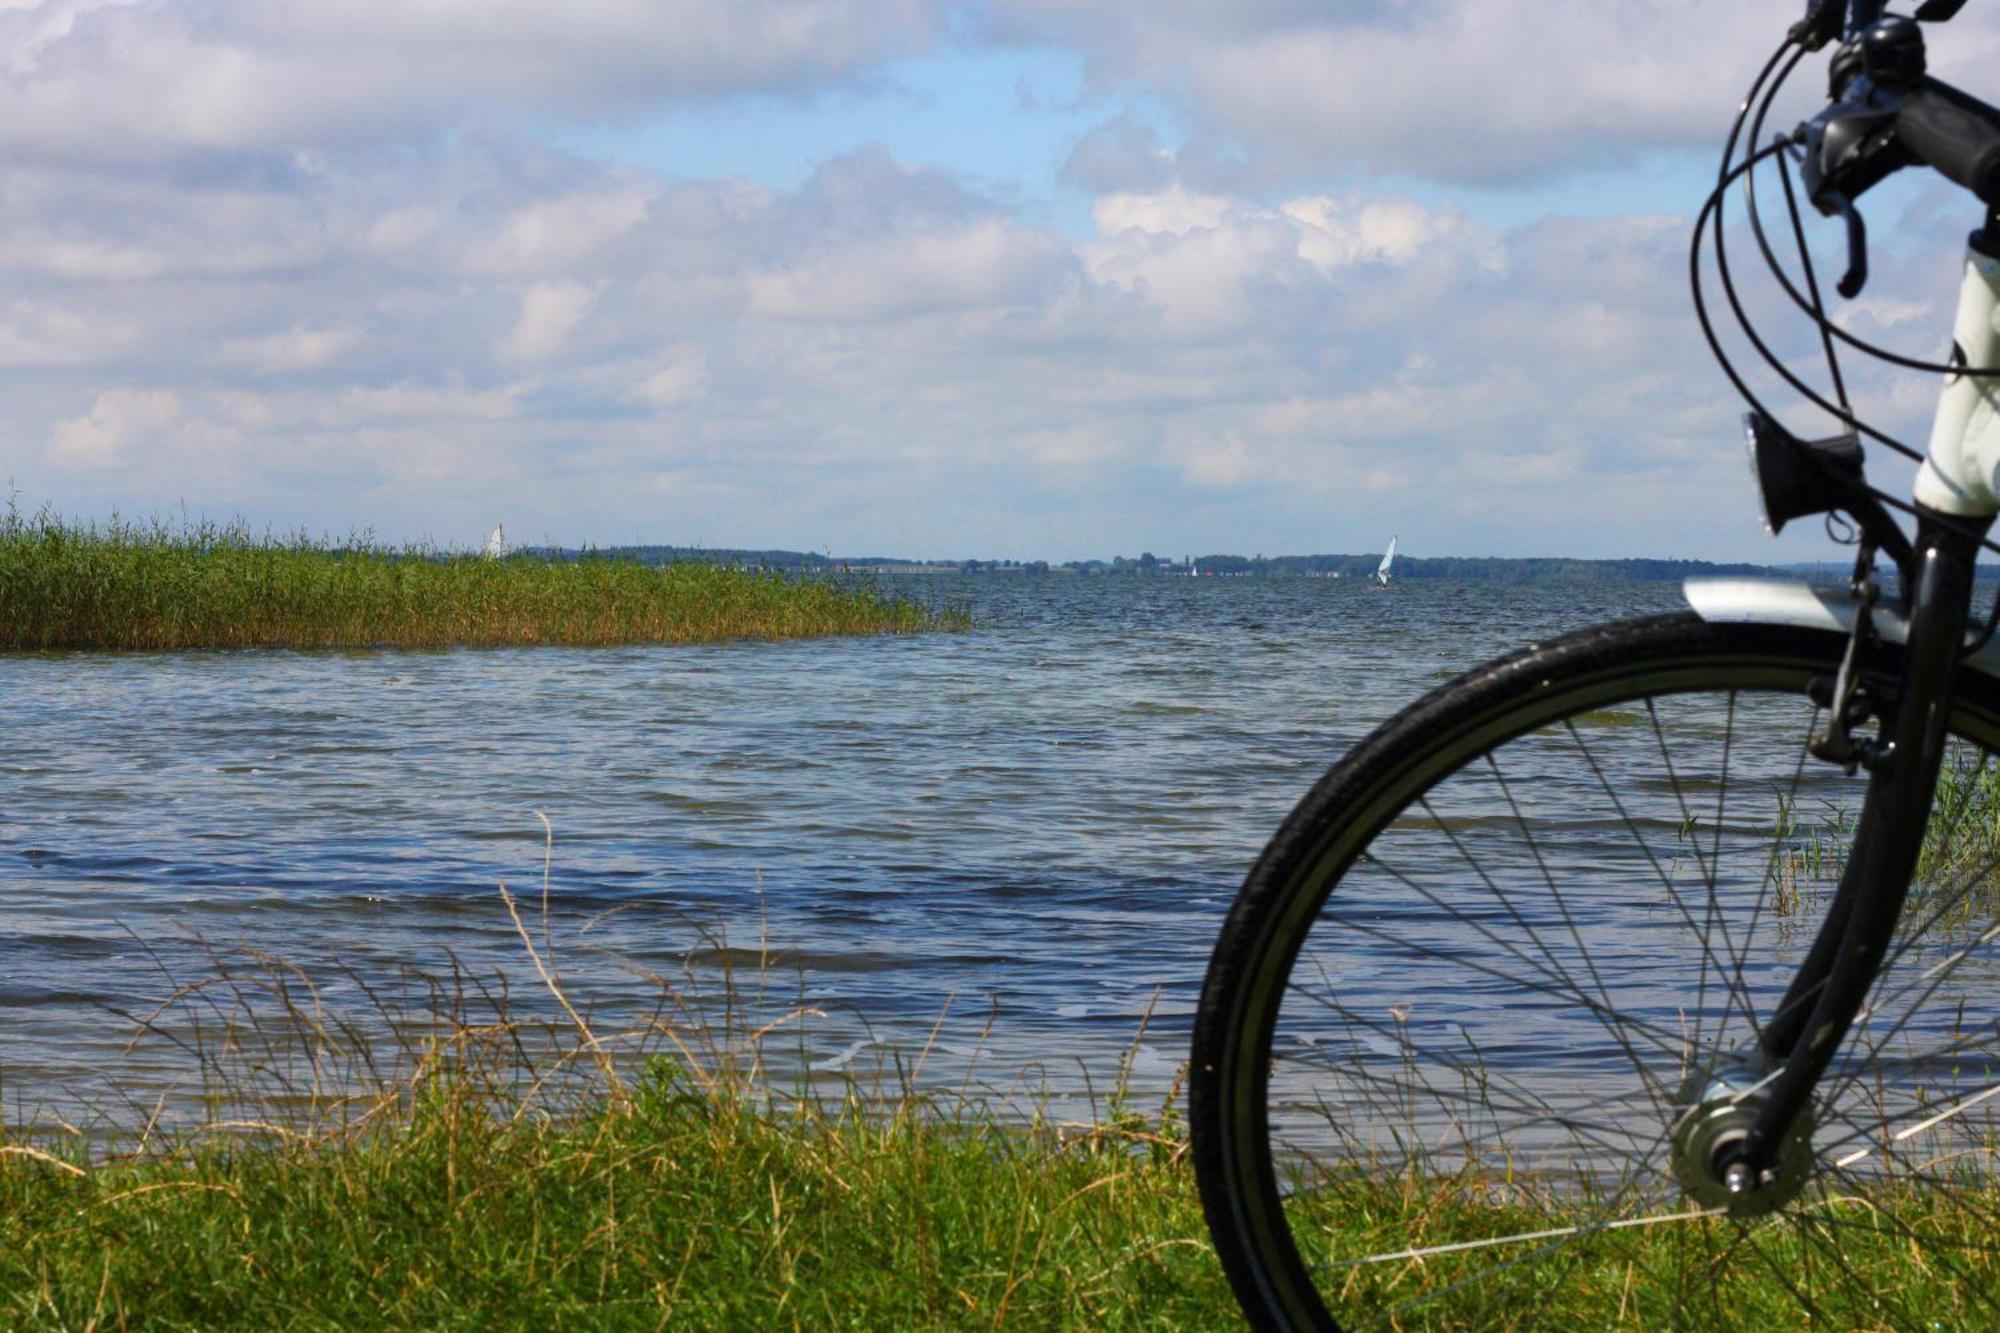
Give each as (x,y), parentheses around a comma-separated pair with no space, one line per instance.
(1853,940)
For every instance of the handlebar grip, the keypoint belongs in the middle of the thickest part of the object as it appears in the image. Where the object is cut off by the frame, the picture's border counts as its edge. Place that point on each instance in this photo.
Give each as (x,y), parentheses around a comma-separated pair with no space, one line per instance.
(1957,134)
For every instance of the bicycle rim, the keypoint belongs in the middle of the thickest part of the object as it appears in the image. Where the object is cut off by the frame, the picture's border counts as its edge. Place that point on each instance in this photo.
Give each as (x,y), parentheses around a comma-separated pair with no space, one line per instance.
(1486,975)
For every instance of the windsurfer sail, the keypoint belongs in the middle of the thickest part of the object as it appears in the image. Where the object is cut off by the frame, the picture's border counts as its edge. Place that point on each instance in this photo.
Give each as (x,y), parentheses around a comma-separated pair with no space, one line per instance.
(1382,570)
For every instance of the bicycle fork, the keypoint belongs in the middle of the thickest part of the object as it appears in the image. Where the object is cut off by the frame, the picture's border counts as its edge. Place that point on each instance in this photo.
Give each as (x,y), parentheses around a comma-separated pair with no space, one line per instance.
(1752,1145)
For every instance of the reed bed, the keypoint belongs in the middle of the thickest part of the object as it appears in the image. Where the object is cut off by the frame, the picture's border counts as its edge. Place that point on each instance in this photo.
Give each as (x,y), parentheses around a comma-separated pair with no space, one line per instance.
(155,586)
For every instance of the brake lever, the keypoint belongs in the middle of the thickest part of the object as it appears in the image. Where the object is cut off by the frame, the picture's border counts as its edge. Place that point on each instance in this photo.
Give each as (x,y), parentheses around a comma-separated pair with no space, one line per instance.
(1852,281)
(1846,153)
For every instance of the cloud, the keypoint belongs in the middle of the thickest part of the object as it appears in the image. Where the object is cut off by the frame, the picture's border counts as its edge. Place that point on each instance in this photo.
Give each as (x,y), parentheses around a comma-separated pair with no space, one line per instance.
(119,421)
(984,264)
(297,348)
(678,376)
(552,233)
(1123,155)
(1458,90)
(879,350)
(340,314)
(1214,264)
(125,80)
(550,312)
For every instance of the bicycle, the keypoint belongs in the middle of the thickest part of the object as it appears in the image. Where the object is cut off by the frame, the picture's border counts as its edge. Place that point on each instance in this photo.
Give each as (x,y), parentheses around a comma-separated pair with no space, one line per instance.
(1651,969)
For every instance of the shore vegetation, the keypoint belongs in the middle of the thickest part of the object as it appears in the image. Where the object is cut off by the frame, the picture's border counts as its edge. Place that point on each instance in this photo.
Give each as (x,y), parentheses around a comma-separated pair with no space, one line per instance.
(475,1157)
(153,586)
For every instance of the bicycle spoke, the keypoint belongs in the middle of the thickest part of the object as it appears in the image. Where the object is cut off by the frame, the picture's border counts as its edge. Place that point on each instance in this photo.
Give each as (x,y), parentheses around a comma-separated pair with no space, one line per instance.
(1703,932)
(1612,1019)
(1525,994)
(1569,919)
(1554,1233)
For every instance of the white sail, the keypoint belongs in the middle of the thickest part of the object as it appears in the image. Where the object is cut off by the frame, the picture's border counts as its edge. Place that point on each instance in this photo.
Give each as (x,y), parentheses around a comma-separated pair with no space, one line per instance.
(496,542)
(1388,559)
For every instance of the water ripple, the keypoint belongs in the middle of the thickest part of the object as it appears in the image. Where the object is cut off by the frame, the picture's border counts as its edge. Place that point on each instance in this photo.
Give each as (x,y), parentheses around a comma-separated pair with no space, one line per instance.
(1044,818)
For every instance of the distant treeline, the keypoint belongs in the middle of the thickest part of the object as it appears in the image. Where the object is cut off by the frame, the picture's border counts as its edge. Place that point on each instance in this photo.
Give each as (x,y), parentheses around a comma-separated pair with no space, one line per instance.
(702,555)
(1493,569)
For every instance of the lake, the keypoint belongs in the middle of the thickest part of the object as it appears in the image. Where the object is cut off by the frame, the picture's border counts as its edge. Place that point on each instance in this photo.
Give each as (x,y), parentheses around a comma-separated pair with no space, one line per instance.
(1012,844)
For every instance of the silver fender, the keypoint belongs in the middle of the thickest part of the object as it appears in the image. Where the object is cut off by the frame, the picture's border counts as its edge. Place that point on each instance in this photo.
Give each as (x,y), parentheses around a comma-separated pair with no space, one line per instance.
(1781,602)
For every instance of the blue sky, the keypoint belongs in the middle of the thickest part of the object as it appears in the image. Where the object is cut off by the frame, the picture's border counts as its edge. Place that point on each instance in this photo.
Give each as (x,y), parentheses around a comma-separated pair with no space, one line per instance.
(1016,278)
(1007,121)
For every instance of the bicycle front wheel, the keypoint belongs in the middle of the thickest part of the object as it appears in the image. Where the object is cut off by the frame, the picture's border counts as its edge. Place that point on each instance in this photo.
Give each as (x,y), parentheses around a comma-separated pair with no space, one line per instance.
(1499,973)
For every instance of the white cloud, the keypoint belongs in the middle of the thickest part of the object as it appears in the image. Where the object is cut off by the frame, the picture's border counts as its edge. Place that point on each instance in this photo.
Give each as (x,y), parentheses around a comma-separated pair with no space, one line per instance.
(297,348)
(555,234)
(333,314)
(550,313)
(1173,211)
(1359,230)
(989,262)
(119,421)
(1223,462)
(413,402)
(678,377)
(1468,90)
(878,350)
(132,79)
(1214,264)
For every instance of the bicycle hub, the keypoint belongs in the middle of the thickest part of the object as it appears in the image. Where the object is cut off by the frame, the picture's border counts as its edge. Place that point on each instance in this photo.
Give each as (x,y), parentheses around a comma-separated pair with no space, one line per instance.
(1719,1107)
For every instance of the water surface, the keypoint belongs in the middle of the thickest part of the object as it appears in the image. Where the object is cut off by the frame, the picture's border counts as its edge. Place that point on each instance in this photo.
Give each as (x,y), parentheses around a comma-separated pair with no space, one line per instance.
(1038,823)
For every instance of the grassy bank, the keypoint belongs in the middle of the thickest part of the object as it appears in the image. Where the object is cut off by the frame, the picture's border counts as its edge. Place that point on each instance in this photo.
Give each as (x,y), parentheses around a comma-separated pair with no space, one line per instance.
(463,1157)
(129,586)
(452,1152)
(676,1205)
(447,1151)
(672,1206)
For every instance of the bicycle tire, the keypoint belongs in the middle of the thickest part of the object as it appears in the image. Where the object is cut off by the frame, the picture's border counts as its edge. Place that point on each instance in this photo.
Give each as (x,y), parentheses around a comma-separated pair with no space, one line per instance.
(1294,1143)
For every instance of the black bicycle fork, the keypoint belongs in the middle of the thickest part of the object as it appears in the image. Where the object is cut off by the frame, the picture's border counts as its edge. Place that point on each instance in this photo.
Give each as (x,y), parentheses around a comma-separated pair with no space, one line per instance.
(1848,953)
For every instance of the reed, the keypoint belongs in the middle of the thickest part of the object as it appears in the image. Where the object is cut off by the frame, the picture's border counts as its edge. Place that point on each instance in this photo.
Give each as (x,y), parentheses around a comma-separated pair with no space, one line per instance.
(1958,867)
(125,585)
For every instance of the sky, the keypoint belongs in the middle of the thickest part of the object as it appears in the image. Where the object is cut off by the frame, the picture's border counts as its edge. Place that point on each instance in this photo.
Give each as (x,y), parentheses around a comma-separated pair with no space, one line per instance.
(1004,279)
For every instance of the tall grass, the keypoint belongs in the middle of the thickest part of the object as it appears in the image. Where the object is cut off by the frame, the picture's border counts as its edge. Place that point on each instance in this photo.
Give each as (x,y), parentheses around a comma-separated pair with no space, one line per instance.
(125,585)
(1959,862)
(471,1150)
(466,1150)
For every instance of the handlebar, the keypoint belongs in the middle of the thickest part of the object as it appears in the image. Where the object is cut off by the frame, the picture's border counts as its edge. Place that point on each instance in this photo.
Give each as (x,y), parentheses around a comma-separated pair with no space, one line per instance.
(1955,133)
(1887,113)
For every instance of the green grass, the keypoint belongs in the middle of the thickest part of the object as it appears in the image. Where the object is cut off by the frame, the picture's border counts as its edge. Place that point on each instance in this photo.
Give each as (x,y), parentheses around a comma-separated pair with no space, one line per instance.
(682,1203)
(1841,1248)
(671,1206)
(154,586)
(453,1155)
(467,1159)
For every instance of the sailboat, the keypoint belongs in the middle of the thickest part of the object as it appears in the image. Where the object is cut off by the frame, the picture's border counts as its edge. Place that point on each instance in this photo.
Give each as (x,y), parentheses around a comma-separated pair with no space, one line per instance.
(1382,570)
(496,542)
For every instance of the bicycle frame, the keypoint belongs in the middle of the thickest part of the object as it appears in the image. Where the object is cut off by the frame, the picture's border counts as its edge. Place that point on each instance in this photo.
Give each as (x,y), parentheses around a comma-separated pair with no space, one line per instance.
(1961,471)
(1957,492)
